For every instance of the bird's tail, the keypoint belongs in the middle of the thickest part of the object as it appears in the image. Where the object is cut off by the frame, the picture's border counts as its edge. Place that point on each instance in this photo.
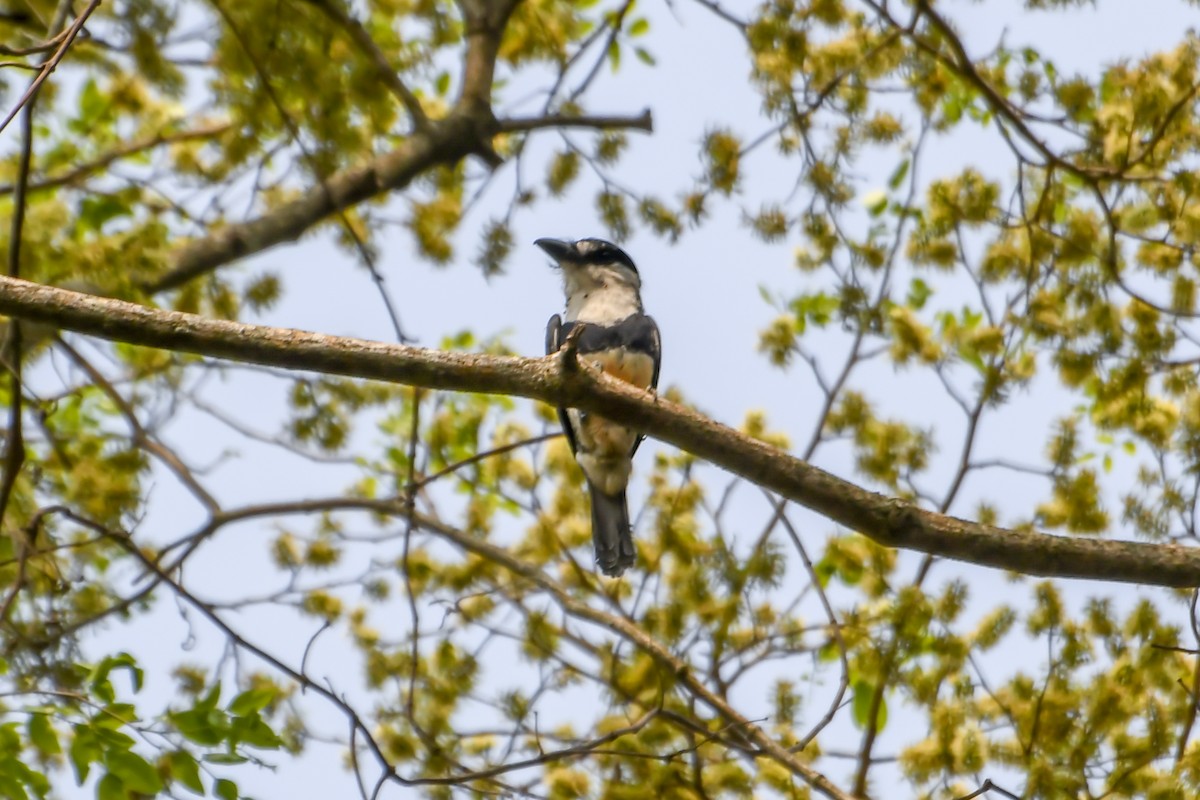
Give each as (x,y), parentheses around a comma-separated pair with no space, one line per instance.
(611,532)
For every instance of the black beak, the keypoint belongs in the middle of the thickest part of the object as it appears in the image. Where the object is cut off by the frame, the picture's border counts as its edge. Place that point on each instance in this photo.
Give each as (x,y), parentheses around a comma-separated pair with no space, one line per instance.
(557,249)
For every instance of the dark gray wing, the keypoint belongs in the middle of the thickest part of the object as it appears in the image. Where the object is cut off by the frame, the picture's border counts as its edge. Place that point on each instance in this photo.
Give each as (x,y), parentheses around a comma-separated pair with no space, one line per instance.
(656,354)
(554,339)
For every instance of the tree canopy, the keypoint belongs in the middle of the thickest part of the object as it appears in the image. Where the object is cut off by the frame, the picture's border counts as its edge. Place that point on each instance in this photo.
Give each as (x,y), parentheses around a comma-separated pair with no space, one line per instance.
(238,558)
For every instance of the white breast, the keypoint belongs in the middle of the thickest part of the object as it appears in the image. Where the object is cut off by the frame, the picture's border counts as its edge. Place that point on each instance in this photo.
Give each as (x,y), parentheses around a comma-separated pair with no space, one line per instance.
(600,294)
(605,306)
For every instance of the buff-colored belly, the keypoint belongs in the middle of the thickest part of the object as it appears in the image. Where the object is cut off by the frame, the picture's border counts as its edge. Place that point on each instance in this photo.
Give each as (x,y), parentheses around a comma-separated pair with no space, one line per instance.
(604,446)
(635,368)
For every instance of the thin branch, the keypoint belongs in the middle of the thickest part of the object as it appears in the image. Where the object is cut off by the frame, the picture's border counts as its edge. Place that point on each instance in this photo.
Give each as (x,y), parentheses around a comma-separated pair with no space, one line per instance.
(613,21)
(81,171)
(582,750)
(628,630)
(642,122)
(364,252)
(835,630)
(140,436)
(237,638)
(20,65)
(14,440)
(410,506)
(448,141)
(41,47)
(717,9)
(362,38)
(467,130)
(48,67)
(988,786)
(889,521)
(481,456)
(1194,690)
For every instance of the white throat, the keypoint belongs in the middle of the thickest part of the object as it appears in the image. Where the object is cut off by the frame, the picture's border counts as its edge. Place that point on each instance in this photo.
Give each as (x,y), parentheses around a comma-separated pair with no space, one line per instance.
(603,295)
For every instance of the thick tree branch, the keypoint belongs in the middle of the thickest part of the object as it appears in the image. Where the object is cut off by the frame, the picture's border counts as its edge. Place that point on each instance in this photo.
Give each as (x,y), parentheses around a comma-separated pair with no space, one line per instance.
(446,142)
(484,21)
(467,130)
(889,521)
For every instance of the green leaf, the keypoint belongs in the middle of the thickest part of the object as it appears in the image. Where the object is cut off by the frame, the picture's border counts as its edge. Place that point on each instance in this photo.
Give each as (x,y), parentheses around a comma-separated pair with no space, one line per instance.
(824,570)
(91,101)
(645,56)
(197,725)
(850,571)
(96,210)
(226,790)
(829,652)
(10,737)
(251,701)
(918,293)
(100,672)
(10,788)
(84,750)
(876,202)
(225,758)
(255,732)
(639,27)
(864,695)
(134,771)
(112,740)
(116,715)
(899,174)
(43,735)
(185,770)
(110,788)
(36,781)
(209,701)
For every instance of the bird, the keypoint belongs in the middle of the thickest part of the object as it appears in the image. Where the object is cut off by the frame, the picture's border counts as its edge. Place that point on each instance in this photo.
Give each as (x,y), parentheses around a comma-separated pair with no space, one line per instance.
(603,300)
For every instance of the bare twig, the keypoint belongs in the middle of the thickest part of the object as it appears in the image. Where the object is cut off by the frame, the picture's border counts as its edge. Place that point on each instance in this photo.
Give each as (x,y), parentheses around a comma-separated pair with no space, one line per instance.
(835,631)
(364,251)
(41,47)
(14,443)
(642,122)
(481,456)
(81,171)
(1193,690)
(52,62)
(362,38)
(988,786)
(140,436)
(410,508)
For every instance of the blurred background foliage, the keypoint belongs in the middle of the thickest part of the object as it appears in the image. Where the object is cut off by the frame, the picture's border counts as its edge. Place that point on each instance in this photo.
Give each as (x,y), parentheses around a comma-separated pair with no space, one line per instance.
(1045,293)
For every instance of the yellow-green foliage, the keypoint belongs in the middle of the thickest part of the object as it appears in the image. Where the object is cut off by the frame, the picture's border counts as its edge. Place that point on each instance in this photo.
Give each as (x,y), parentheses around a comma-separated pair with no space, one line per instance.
(1010,339)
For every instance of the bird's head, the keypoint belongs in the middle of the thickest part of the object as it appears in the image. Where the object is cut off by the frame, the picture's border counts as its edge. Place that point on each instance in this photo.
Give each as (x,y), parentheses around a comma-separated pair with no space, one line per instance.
(592,261)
